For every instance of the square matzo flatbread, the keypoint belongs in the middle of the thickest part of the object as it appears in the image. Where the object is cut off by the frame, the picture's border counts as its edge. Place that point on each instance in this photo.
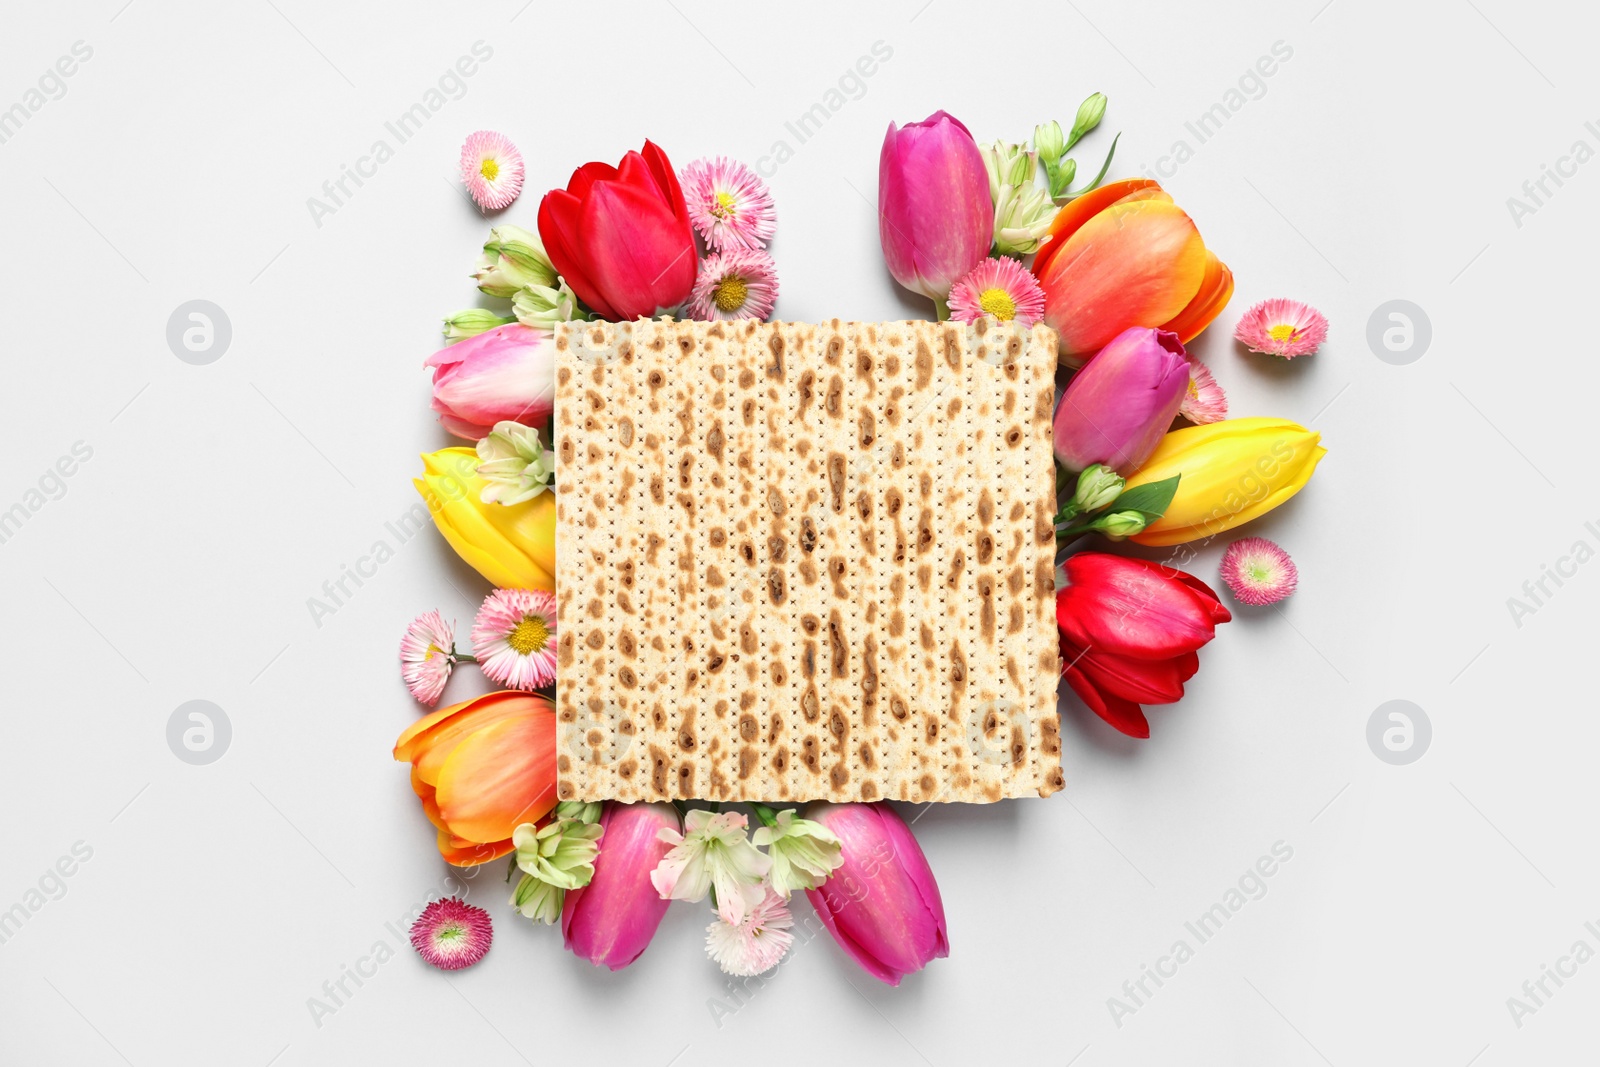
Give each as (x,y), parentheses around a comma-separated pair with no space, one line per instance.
(805,561)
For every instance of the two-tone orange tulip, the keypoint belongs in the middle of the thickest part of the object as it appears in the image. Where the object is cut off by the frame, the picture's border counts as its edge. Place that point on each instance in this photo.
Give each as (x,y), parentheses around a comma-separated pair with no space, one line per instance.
(482,768)
(1126,255)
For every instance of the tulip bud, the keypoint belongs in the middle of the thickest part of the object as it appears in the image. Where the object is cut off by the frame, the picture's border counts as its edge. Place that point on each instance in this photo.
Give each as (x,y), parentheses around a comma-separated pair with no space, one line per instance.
(1098,486)
(542,307)
(1120,524)
(1231,472)
(1090,112)
(512,258)
(504,373)
(933,222)
(882,905)
(470,323)
(1116,409)
(610,921)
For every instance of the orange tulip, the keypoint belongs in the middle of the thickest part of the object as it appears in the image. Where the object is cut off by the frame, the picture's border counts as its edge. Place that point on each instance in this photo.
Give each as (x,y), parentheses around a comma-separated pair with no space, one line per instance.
(1125,255)
(481,769)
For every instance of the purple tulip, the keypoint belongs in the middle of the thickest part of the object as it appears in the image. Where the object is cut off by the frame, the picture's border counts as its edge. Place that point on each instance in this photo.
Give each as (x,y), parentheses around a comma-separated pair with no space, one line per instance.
(507,373)
(882,905)
(611,920)
(1117,408)
(935,214)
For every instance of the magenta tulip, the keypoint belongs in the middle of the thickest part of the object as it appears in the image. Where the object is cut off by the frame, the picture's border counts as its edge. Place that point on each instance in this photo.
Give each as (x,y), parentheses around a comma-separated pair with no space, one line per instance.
(935,215)
(882,905)
(1116,409)
(507,373)
(610,921)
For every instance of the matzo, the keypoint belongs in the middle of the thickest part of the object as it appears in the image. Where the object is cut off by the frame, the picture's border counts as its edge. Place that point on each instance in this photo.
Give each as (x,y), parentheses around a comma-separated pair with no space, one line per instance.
(802,561)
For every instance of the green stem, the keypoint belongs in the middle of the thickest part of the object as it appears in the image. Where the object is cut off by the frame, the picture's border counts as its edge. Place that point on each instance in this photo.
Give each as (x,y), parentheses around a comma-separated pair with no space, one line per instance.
(941,307)
(767,816)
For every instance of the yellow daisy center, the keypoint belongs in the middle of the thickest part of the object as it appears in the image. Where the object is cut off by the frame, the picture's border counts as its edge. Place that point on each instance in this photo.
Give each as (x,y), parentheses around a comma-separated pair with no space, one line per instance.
(432,651)
(1282,332)
(1194,393)
(529,636)
(724,206)
(489,169)
(730,294)
(998,302)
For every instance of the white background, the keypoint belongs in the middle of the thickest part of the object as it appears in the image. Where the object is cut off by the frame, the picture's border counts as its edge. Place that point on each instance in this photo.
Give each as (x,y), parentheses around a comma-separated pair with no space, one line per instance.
(1375,166)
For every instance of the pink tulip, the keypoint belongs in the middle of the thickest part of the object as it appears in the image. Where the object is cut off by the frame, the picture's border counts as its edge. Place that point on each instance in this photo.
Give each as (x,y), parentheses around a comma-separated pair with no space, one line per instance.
(935,215)
(882,905)
(1116,409)
(507,373)
(611,920)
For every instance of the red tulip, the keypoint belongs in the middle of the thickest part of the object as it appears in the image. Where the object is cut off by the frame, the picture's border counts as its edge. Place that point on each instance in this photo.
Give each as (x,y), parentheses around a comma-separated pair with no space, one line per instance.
(620,236)
(611,920)
(881,905)
(1126,255)
(1129,631)
(935,214)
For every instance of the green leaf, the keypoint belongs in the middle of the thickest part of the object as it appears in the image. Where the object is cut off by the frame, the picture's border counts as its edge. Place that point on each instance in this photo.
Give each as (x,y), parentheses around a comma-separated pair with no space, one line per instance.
(1071,193)
(1150,499)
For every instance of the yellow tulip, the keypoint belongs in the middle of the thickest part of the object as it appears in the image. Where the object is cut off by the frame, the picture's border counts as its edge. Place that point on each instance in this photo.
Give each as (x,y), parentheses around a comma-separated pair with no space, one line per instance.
(1232,472)
(512,546)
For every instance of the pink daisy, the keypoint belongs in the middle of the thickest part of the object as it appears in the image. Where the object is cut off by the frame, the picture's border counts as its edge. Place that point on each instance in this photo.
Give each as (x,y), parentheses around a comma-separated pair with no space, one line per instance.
(514,638)
(1258,571)
(491,168)
(728,204)
(740,284)
(1281,327)
(757,943)
(452,934)
(1204,401)
(427,655)
(1000,287)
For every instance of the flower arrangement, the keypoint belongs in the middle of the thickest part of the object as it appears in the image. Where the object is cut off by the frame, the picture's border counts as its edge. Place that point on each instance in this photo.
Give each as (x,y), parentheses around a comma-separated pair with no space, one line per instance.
(1145,451)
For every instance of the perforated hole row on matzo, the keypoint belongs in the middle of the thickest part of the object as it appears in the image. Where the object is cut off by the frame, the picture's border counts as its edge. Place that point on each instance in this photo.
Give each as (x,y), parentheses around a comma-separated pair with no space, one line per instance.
(801,561)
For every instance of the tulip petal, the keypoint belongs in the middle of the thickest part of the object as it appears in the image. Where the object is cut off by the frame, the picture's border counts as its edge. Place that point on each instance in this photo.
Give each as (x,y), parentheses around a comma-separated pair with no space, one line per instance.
(666,179)
(1079,211)
(559,230)
(1130,608)
(485,711)
(473,854)
(654,260)
(1133,264)
(1144,681)
(1215,291)
(1124,715)
(500,777)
